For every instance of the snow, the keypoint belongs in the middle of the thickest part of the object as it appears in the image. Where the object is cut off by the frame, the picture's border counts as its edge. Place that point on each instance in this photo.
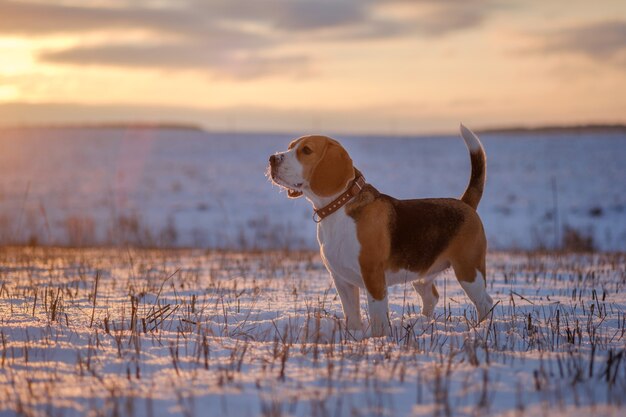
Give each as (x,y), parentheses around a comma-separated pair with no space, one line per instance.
(181,188)
(190,332)
(123,331)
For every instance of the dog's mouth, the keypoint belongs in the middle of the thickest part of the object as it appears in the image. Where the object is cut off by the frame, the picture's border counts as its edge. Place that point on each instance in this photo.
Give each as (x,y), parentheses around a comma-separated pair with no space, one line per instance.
(289,186)
(276,179)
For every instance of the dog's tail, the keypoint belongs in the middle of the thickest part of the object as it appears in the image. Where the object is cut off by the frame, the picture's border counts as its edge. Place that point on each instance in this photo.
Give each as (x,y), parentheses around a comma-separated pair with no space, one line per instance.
(474,190)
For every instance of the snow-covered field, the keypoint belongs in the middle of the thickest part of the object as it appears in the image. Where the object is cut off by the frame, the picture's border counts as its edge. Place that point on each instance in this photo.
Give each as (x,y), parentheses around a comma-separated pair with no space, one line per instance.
(189,188)
(149,332)
(120,332)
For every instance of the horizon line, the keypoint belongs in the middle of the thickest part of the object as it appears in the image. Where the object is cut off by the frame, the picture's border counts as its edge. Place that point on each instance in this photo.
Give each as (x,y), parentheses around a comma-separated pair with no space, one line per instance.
(174,125)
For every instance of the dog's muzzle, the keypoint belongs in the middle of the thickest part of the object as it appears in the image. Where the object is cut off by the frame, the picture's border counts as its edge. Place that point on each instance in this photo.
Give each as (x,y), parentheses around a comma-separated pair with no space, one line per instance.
(276,160)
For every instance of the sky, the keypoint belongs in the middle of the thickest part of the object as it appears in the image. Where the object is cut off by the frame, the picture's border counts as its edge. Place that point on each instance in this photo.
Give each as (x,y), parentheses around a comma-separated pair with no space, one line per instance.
(324,66)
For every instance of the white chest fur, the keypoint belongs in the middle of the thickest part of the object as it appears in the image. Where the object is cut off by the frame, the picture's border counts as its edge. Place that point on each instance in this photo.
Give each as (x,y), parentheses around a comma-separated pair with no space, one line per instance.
(340,247)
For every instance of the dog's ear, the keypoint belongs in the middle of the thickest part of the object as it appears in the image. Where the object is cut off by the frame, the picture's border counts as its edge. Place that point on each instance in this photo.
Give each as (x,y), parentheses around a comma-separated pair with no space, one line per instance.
(333,171)
(294,193)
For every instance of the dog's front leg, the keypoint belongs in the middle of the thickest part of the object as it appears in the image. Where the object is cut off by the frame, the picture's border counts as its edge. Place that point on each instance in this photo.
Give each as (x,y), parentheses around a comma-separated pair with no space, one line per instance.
(377,303)
(379,315)
(349,296)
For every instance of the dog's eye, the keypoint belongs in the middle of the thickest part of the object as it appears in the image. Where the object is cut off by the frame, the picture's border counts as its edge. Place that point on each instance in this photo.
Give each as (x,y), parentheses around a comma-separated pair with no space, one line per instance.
(306,150)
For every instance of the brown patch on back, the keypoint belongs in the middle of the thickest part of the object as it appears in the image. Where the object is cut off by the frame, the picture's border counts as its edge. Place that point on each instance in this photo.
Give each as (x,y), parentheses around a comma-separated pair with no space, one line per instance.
(414,235)
(421,236)
(372,229)
(422,230)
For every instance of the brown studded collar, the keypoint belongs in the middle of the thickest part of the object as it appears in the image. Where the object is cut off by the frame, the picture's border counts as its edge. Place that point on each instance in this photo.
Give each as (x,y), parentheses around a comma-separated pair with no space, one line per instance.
(337,203)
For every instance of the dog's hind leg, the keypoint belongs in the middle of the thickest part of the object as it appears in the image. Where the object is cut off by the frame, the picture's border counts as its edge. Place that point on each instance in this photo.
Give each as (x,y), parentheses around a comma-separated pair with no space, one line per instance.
(474,284)
(429,295)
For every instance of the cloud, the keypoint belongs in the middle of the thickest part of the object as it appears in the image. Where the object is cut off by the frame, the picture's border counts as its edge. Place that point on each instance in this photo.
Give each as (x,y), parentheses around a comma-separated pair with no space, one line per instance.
(183,17)
(193,17)
(37,19)
(604,40)
(383,119)
(235,37)
(436,18)
(444,20)
(177,56)
(302,15)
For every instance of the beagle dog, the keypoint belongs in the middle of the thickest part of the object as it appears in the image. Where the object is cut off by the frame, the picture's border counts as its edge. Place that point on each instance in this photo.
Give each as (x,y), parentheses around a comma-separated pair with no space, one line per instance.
(369,240)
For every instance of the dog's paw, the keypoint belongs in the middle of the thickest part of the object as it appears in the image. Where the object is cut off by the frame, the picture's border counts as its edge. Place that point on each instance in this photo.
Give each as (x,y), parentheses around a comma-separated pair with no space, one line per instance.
(354,325)
(484,307)
(380,328)
(428,312)
(356,335)
(422,321)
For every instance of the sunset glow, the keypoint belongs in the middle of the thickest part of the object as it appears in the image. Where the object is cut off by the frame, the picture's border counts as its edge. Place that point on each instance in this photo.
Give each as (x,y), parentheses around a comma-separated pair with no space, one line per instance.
(389,66)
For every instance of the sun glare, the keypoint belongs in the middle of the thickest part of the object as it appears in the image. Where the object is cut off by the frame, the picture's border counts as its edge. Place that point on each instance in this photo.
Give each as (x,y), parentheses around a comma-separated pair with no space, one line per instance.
(8,93)
(15,57)
(414,59)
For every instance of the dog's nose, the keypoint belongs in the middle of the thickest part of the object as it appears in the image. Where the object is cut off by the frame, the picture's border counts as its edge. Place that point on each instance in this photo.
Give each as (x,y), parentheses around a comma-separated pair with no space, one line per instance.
(275,159)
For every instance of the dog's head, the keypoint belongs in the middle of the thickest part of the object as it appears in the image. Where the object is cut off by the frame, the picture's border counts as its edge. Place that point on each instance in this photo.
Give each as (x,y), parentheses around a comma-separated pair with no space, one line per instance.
(312,165)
